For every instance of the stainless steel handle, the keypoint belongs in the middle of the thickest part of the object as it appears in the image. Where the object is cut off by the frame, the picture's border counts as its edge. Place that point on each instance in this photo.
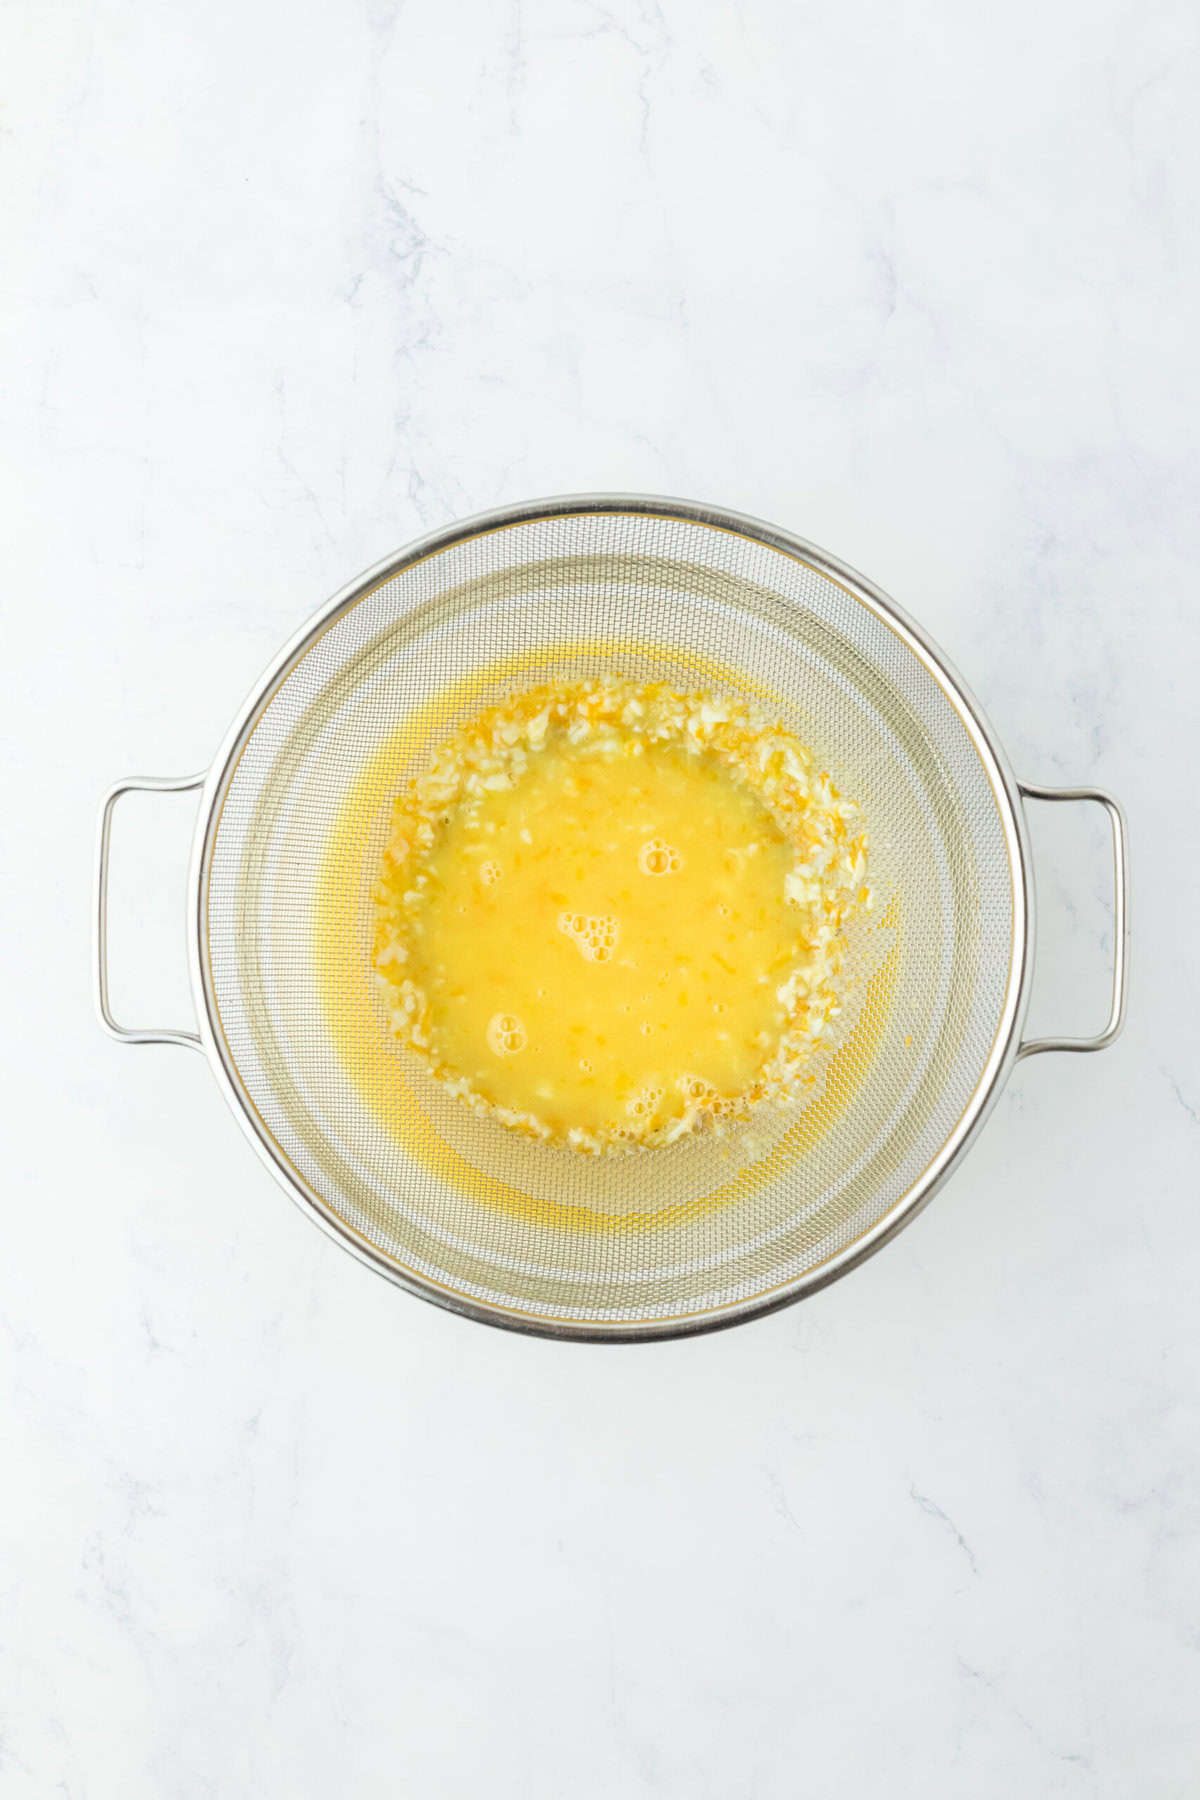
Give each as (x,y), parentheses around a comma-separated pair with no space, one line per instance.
(155,784)
(1120,982)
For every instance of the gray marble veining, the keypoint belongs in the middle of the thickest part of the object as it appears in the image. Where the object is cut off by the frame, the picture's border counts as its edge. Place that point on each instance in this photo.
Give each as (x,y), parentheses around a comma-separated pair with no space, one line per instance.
(282,290)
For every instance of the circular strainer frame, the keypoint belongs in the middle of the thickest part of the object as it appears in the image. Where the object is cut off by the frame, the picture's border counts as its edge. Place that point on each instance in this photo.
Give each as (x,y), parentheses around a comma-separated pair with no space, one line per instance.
(591,514)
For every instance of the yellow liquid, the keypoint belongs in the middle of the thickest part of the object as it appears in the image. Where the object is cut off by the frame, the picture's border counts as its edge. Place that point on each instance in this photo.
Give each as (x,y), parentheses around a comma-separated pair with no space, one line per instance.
(603,937)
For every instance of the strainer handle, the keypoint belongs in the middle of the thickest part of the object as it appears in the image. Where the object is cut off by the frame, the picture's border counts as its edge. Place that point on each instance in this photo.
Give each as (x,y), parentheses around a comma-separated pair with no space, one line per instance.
(154,784)
(1120,982)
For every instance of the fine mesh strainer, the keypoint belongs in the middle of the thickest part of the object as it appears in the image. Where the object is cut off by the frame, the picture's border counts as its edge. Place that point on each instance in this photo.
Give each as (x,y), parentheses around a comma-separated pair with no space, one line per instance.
(455,1208)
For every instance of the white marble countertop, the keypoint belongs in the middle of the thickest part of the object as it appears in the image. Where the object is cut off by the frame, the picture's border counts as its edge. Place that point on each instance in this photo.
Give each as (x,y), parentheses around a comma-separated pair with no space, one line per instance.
(283,288)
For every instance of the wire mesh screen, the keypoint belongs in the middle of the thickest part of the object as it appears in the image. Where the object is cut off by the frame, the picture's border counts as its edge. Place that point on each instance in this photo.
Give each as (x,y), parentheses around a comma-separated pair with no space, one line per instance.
(452,1202)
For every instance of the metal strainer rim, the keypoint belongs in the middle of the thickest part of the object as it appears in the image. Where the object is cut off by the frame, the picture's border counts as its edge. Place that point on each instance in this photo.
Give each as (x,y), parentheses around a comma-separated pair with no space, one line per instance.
(1006,793)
